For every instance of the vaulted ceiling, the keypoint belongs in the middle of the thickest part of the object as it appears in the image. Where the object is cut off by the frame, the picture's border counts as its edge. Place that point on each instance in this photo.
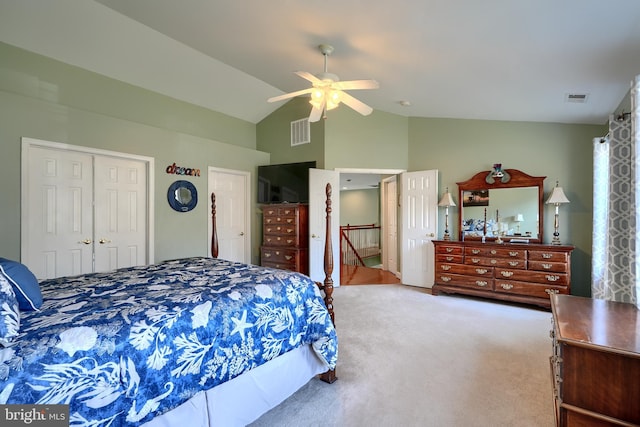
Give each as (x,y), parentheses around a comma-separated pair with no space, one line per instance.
(491,59)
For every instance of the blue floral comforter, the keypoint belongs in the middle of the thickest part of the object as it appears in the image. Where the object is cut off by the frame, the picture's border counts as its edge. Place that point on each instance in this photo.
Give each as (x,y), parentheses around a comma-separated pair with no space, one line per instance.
(124,346)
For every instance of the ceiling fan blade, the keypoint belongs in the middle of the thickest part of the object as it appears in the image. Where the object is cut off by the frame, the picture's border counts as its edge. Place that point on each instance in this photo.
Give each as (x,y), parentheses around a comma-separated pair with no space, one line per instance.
(316,112)
(289,95)
(356,84)
(308,76)
(357,105)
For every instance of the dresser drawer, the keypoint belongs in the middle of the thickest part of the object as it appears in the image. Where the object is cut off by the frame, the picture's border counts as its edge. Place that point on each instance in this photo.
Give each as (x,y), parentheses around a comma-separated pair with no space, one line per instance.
(485,283)
(549,256)
(528,288)
(550,278)
(449,250)
(280,219)
(449,258)
(497,262)
(558,267)
(473,270)
(285,258)
(277,240)
(283,229)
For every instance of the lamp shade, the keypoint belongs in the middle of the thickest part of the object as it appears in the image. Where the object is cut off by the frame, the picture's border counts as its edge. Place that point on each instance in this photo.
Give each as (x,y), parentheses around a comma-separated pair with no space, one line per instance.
(519,218)
(446,199)
(557,196)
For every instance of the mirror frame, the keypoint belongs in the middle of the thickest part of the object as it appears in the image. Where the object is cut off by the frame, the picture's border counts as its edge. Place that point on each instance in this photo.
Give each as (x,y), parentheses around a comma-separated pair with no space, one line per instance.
(175,204)
(513,178)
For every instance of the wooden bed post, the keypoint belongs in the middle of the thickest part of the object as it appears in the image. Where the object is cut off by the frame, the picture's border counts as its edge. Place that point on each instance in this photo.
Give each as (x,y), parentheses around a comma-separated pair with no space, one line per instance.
(214,232)
(329,376)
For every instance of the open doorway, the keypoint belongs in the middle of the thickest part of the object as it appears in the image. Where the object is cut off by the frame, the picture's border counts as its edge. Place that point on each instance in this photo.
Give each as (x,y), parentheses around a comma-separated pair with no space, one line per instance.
(369,228)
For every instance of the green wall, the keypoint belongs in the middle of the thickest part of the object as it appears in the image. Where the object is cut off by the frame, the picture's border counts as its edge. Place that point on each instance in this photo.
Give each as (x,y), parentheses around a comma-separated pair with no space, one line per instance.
(45,99)
(377,141)
(275,135)
(460,148)
(360,207)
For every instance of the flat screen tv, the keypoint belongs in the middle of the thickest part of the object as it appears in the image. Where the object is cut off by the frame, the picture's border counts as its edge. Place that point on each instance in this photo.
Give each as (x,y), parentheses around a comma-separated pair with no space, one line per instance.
(285,183)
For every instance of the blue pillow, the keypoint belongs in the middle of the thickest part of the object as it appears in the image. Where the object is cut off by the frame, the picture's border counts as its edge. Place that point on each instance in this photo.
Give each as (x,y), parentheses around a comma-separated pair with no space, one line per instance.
(25,284)
(9,313)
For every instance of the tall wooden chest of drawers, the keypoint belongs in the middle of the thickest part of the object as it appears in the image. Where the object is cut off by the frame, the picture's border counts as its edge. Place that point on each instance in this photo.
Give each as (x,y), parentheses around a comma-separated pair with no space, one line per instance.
(526,273)
(285,237)
(595,365)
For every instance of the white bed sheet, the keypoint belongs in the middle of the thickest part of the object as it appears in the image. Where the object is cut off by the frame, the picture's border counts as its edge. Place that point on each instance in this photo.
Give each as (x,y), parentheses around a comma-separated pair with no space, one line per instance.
(244,399)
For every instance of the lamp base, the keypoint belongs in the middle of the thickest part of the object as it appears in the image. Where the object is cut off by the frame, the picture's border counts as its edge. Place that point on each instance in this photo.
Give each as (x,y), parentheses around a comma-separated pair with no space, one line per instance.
(446,236)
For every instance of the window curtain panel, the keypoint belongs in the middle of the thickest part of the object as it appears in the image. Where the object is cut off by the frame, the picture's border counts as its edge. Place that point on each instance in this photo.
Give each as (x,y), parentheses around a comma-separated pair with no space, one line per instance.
(616,198)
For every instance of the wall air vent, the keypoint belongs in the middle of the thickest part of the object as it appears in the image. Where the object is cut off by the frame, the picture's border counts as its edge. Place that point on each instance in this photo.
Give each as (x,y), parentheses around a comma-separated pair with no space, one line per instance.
(576,98)
(300,132)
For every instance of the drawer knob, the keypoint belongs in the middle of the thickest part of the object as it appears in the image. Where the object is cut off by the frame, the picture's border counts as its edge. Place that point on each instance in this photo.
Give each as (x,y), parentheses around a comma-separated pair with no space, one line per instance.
(493,252)
(546,266)
(481,283)
(288,257)
(513,253)
(449,258)
(445,267)
(552,278)
(445,278)
(513,263)
(475,260)
(506,273)
(494,261)
(551,291)
(475,251)
(507,286)
(267,255)
(547,256)
(448,249)
(481,270)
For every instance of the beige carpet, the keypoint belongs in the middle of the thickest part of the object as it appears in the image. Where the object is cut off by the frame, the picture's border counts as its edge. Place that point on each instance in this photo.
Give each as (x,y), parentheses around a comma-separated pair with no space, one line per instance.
(407,358)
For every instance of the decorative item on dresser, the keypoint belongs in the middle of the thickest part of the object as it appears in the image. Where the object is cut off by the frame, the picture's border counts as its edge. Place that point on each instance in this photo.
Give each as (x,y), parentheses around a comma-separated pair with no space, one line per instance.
(595,366)
(446,201)
(285,237)
(525,273)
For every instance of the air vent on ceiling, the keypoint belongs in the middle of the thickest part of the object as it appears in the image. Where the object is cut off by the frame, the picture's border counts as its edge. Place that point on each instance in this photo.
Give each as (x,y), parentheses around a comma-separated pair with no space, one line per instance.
(579,98)
(300,132)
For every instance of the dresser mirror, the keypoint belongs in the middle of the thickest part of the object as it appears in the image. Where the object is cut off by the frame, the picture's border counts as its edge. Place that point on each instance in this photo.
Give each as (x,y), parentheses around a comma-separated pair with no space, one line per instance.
(502,206)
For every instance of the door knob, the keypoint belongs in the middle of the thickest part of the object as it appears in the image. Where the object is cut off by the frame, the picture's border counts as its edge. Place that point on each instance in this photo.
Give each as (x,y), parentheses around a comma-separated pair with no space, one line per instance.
(86,241)
(431,235)
(242,233)
(103,241)
(313,236)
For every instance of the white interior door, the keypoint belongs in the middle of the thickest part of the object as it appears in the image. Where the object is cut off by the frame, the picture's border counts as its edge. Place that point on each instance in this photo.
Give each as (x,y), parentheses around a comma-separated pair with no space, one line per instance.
(419,226)
(120,200)
(389,211)
(318,180)
(84,209)
(232,189)
(57,212)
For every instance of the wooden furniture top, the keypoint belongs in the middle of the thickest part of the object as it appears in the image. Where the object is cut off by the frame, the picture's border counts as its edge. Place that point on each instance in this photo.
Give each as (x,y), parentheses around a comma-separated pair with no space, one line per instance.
(597,323)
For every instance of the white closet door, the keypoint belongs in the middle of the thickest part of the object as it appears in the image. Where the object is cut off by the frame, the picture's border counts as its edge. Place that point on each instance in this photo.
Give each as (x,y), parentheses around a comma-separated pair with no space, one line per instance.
(58,218)
(120,194)
(233,225)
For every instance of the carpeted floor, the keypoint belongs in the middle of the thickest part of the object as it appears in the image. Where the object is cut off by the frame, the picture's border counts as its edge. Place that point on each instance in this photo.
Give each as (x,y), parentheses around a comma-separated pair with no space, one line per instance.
(408,358)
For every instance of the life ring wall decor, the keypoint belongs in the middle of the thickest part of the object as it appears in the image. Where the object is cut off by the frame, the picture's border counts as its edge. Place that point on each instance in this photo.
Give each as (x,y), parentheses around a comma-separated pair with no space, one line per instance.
(182,196)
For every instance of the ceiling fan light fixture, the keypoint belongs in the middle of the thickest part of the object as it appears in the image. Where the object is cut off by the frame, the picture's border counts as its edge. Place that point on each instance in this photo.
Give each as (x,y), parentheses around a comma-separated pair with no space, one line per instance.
(333,99)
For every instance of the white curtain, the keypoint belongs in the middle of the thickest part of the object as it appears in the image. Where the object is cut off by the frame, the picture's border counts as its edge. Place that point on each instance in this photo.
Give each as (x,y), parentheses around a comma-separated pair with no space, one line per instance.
(616,208)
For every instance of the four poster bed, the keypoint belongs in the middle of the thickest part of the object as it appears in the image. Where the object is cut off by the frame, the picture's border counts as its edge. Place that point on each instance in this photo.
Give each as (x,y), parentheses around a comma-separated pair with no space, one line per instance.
(199,340)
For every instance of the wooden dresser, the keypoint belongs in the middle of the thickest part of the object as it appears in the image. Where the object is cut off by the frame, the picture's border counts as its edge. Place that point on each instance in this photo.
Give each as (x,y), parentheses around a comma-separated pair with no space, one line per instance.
(595,365)
(525,273)
(285,237)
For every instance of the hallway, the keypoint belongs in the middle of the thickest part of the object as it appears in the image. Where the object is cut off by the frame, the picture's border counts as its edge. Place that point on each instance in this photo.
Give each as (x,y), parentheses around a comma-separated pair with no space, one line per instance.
(357,275)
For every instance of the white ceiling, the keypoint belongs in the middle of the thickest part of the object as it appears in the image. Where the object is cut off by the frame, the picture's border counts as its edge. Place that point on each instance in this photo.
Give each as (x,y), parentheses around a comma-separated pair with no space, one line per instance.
(491,59)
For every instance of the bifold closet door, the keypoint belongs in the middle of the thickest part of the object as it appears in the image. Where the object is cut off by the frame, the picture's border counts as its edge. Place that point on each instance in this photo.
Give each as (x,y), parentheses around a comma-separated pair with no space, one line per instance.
(120,192)
(84,212)
(59,213)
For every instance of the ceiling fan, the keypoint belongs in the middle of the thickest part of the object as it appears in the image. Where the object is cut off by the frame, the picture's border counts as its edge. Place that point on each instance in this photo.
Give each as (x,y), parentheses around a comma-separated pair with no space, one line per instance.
(327,91)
